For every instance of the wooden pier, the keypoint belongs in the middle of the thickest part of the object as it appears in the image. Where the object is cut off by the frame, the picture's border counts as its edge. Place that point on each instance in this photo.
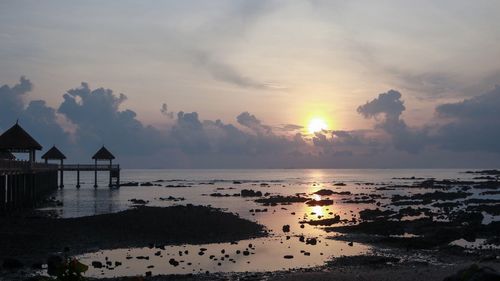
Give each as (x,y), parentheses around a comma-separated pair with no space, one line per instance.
(24,183)
(114,172)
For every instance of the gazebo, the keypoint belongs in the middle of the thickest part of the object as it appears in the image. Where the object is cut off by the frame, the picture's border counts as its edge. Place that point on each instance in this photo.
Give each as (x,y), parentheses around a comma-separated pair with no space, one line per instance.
(103,154)
(17,140)
(56,154)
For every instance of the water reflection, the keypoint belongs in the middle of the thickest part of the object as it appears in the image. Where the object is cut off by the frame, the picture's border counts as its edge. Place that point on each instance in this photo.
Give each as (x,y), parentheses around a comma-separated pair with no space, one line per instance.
(267,253)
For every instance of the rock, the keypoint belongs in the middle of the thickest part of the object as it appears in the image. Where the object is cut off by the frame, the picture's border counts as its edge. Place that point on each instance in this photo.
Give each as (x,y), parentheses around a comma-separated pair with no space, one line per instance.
(12,264)
(250,193)
(138,201)
(246,253)
(324,202)
(97,264)
(475,273)
(173,262)
(286,228)
(311,241)
(288,257)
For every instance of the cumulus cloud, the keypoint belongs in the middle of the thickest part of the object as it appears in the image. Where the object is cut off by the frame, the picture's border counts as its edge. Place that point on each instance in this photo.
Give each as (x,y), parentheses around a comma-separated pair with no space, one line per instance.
(35,116)
(387,109)
(472,123)
(100,121)
(100,117)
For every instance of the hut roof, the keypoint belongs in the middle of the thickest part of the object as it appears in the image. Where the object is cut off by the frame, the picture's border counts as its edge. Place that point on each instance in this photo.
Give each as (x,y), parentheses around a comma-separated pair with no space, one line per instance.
(54,154)
(17,139)
(103,154)
(4,154)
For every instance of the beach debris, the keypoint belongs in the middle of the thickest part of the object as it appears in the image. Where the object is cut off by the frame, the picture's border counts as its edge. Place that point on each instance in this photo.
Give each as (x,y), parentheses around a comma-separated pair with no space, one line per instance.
(288,257)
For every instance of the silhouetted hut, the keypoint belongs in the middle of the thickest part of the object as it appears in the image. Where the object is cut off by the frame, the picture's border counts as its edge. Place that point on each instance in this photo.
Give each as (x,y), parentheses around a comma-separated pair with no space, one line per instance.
(103,154)
(17,140)
(56,154)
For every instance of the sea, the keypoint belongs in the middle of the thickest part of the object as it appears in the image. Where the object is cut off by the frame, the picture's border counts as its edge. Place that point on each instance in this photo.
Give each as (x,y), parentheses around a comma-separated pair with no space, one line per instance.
(198,187)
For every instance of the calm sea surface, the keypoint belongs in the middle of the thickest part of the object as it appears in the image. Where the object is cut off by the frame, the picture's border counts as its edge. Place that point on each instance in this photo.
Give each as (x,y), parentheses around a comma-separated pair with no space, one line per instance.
(196,187)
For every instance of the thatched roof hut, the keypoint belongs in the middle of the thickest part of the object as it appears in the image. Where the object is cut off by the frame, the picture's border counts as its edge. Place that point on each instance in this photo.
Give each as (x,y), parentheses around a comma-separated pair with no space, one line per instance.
(53,154)
(16,139)
(103,154)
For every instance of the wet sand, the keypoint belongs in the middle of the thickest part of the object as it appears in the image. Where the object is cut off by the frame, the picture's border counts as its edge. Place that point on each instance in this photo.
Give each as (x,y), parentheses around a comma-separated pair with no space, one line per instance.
(32,239)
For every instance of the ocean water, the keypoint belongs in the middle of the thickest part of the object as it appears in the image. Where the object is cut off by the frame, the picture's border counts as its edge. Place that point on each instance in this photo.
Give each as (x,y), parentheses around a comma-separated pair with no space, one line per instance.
(266,254)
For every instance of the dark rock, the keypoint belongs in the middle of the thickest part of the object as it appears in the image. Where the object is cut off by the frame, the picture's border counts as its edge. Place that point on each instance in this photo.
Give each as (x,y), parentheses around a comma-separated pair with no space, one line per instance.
(250,193)
(286,228)
(97,264)
(324,202)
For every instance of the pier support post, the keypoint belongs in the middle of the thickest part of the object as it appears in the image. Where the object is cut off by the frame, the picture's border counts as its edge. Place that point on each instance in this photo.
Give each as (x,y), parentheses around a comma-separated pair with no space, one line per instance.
(2,194)
(118,177)
(61,175)
(78,176)
(95,174)
(110,172)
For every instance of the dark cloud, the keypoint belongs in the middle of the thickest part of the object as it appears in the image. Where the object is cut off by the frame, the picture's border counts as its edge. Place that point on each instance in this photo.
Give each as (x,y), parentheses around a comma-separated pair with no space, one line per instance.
(387,109)
(11,101)
(462,133)
(472,124)
(99,121)
(250,121)
(35,116)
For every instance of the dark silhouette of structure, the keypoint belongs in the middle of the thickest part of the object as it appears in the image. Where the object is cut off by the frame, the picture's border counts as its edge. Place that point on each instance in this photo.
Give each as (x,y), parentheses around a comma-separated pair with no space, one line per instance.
(23,183)
(17,140)
(56,154)
(103,154)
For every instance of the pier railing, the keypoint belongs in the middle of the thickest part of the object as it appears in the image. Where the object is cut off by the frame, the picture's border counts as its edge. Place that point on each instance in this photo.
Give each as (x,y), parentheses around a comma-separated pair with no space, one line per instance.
(88,167)
(19,166)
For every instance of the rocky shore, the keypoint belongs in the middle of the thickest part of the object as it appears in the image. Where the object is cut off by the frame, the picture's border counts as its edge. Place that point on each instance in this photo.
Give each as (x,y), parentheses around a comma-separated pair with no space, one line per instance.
(27,241)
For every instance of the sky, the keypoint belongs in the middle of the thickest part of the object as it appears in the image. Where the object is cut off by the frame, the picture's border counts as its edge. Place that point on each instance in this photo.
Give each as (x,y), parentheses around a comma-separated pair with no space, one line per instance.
(235,84)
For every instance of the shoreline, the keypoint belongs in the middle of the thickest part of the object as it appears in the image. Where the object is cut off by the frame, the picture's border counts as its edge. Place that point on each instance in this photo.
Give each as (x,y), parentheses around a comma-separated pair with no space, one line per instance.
(31,240)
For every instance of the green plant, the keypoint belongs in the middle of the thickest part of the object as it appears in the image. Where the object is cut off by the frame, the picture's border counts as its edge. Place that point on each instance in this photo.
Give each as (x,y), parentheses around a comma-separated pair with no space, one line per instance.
(71,270)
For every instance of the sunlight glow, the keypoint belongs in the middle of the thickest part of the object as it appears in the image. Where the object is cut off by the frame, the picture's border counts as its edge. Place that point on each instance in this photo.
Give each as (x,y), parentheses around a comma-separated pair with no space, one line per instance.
(317,125)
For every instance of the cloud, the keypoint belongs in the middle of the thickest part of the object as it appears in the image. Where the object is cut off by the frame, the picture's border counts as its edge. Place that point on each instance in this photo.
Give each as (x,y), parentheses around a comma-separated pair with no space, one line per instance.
(471,124)
(36,117)
(99,121)
(226,73)
(386,109)
(250,121)
(461,133)
(164,111)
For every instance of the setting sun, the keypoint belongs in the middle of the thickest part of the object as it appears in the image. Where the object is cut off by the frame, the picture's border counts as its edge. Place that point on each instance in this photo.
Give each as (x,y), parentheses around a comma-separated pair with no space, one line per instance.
(317,125)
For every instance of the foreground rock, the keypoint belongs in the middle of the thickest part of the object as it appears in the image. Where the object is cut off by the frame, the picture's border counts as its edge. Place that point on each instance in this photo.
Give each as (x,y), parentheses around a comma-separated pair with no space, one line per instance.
(34,239)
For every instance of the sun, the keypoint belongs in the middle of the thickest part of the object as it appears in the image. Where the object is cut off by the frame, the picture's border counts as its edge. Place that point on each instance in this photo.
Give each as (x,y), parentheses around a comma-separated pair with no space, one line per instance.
(317,125)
